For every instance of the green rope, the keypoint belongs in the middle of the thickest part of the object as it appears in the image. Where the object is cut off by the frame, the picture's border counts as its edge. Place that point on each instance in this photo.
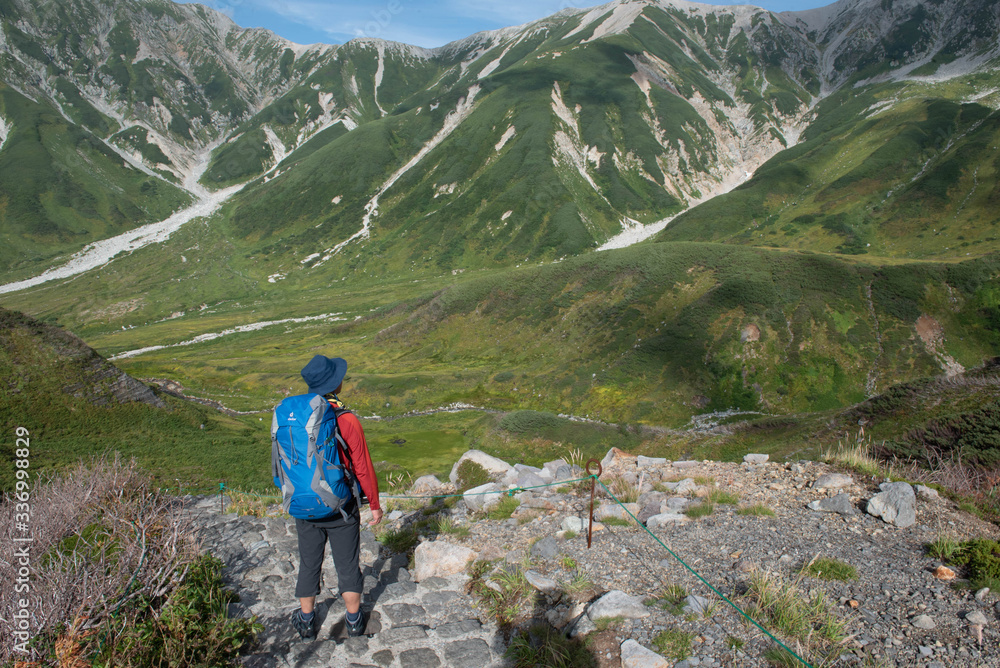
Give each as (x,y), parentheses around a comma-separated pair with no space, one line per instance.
(698,575)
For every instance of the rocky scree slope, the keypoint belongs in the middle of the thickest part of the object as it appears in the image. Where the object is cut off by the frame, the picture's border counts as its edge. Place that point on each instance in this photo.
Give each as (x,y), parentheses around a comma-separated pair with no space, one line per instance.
(895,610)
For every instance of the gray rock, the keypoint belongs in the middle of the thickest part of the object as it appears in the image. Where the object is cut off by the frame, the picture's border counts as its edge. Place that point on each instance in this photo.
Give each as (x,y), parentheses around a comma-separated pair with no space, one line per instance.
(383,657)
(676,504)
(635,655)
(896,504)
(618,604)
(833,481)
(926,493)
(402,634)
(756,459)
(460,628)
(977,617)
(648,511)
(573,523)
(923,621)
(419,658)
(686,486)
(665,519)
(482,497)
(688,464)
(404,614)
(426,484)
(606,510)
(644,462)
(394,515)
(474,652)
(982,593)
(546,548)
(564,472)
(496,467)
(529,479)
(540,582)
(835,504)
(439,559)
(696,605)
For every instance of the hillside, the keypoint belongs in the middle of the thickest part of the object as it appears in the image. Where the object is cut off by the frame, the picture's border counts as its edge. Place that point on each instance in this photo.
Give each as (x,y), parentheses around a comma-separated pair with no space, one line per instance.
(75,405)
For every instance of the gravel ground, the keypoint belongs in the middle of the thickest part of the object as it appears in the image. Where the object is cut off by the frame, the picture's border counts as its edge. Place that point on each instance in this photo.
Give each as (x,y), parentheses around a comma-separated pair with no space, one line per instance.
(894,587)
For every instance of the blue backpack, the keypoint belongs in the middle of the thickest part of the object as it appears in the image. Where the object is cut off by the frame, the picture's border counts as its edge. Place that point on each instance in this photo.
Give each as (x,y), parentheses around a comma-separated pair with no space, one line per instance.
(305,459)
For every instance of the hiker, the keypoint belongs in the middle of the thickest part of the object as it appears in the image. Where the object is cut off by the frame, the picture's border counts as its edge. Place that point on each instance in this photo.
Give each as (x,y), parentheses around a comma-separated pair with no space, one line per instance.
(342,528)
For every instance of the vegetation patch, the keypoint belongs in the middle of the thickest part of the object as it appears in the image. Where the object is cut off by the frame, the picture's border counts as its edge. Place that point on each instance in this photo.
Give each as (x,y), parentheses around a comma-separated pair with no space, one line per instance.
(674,644)
(827,568)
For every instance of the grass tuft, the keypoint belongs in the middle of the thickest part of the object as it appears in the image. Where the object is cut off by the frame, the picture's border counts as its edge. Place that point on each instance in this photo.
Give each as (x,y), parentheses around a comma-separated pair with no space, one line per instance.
(758,509)
(674,644)
(827,568)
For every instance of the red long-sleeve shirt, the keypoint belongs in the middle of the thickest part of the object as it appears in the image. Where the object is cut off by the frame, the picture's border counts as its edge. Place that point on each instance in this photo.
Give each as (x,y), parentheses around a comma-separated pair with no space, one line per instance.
(359,460)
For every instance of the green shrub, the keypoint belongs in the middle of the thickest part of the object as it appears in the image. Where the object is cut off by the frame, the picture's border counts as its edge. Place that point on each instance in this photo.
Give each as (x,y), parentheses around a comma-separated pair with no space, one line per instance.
(471,474)
(542,645)
(193,628)
(981,556)
(528,422)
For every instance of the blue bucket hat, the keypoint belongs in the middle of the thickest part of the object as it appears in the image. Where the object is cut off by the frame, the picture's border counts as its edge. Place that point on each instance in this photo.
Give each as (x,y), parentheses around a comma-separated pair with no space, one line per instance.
(323,374)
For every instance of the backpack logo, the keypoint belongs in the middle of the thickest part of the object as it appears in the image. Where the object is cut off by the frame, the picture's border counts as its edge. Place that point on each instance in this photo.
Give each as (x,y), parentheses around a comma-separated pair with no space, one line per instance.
(305,459)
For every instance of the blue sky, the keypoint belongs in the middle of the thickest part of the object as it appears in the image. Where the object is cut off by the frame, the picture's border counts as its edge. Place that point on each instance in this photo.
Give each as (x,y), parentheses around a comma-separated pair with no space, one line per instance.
(421,22)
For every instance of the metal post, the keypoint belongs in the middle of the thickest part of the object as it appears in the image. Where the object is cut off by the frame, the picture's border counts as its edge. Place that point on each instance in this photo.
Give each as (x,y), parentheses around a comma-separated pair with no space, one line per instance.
(593,485)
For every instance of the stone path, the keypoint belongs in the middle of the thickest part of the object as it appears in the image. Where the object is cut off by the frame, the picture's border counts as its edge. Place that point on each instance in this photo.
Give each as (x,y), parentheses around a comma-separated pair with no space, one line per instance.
(895,611)
(412,625)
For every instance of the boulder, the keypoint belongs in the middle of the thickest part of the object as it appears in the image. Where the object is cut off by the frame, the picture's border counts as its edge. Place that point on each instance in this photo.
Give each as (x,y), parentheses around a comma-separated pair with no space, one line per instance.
(635,655)
(495,467)
(530,479)
(606,510)
(482,497)
(553,466)
(835,504)
(426,484)
(644,462)
(833,481)
(618,604)
(687,464)
(546,548)
(439,558)
(896,504)
(665,519)
(926,493)
(544,584)
(616,458)
(755,459)
(574,524)
(685,486)
(675,504)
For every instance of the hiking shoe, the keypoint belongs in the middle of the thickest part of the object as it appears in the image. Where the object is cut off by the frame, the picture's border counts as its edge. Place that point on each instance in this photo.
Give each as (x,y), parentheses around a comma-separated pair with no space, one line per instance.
(357,629)
(305,629)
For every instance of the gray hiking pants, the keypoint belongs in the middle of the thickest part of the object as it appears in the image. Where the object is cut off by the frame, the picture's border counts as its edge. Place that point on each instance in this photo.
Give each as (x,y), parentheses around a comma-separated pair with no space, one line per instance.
(344,538)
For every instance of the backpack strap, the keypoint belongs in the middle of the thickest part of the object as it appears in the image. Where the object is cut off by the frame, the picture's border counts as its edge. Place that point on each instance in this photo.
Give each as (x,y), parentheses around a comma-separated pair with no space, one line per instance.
(341,444)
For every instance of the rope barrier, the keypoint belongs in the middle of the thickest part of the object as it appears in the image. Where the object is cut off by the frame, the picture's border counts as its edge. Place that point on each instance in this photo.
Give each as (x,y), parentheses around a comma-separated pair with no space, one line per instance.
(703,580)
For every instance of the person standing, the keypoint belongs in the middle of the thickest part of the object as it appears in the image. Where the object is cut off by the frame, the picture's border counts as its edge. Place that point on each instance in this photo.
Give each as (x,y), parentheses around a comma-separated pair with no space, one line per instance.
(342,530)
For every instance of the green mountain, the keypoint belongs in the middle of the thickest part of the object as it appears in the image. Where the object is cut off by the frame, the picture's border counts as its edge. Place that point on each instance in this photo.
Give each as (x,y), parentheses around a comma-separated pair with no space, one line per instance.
(873,120)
